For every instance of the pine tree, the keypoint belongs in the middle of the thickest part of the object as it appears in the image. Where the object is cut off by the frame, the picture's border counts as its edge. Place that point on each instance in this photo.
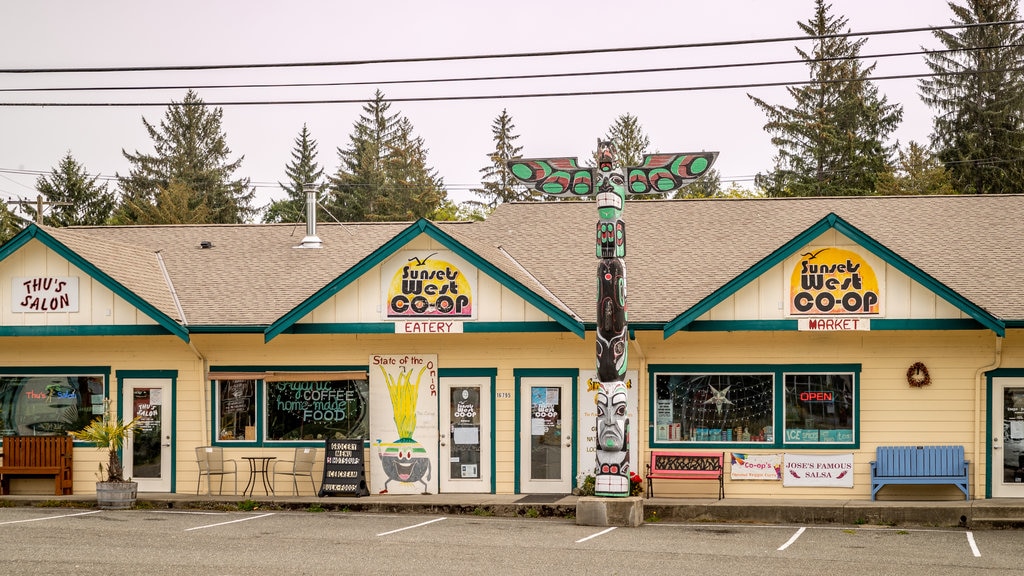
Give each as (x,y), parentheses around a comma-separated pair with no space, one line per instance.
(174,204)
(918,171)
(977,94)
(9,224)
(190,148)
(383,174)
(302,170)
(631,142)
(832,141)
(79,200)
(499,185)
(708,185)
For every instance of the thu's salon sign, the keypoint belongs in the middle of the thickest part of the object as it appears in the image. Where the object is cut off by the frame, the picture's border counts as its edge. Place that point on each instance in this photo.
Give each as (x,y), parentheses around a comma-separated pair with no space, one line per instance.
(44,294)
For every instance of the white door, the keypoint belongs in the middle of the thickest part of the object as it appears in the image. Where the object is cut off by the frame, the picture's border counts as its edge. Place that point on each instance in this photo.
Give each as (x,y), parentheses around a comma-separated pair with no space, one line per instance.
(465,436)
(148,450)
(545,439)
(1006,468)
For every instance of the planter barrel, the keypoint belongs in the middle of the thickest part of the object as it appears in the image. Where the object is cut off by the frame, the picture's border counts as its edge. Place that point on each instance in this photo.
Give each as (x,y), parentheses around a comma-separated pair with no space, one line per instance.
(116,495)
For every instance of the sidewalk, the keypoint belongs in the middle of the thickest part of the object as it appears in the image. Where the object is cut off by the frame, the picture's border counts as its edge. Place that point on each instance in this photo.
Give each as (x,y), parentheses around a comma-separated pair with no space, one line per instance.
(974,514)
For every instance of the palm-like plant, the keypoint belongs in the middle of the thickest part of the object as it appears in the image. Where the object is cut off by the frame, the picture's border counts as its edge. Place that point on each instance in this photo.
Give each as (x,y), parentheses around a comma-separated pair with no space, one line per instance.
(108,433)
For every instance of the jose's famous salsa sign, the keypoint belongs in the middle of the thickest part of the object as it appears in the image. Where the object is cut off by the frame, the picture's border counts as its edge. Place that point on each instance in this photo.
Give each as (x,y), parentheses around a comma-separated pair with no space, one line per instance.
(833,281)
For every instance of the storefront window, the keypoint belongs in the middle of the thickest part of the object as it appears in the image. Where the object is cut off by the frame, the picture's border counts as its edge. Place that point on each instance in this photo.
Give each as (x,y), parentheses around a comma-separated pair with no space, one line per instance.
(48,404)
(317,410)
(714,408)
(819,408)
(236,403)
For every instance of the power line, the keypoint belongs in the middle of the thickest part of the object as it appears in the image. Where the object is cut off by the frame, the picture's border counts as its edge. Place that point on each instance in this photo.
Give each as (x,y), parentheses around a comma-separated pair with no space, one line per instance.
(421,59)
(590,73)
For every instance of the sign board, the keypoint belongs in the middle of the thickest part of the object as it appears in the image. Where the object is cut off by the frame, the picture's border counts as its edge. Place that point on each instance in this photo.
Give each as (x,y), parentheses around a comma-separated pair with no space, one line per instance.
(44,294)
(755,466)
(834,470)
(344,469)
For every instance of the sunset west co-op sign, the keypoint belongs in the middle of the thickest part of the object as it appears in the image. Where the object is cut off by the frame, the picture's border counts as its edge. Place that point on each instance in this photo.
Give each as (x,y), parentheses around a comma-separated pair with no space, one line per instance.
(428,292)
(833,289)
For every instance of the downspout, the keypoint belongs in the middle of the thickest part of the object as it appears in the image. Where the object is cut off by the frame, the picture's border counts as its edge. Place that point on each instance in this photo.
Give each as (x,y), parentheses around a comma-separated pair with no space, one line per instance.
(978,426)
(184,322)
(641,377)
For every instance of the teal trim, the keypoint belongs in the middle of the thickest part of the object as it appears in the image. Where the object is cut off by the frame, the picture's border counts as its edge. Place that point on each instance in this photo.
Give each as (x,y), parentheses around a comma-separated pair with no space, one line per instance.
(789,248)
(63,371)
(35,232)
(261,413)
(343,328)
(286,322)
(518,374)
(989,420)
(83,330)
(214,329)
(171,375)
(492,374)
(778,372)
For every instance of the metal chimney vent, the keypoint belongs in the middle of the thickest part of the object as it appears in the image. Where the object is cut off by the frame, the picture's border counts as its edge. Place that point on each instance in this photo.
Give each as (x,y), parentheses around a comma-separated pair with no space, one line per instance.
(311,240)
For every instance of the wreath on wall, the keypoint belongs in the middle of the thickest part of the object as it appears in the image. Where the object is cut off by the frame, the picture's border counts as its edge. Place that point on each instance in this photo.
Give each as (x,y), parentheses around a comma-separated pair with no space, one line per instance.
(917,375)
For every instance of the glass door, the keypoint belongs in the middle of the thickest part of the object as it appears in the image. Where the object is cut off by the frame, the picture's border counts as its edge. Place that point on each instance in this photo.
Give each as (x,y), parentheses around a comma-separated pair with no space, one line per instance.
(148,449)
(545,439)
(1006,468)
(465,439)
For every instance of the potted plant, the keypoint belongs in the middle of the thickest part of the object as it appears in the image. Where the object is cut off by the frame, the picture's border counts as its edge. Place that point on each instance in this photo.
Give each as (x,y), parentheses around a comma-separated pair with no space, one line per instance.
(109,433)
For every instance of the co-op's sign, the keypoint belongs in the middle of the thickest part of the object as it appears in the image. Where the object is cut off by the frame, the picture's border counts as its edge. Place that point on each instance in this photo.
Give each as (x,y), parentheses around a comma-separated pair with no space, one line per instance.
(428,285)
(834,282)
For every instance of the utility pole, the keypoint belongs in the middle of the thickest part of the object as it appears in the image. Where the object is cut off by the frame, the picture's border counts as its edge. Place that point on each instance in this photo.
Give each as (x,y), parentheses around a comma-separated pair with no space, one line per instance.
(39,206)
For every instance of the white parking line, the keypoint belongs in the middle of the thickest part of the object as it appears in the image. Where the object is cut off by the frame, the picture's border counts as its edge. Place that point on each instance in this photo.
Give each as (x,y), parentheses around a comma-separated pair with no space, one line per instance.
(50,517)
(974,546)
(229,522)
(605,531)
(792,539)
(415,526)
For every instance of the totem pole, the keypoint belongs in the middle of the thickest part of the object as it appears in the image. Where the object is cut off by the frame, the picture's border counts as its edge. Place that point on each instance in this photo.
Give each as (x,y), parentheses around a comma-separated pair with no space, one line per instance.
(659,173)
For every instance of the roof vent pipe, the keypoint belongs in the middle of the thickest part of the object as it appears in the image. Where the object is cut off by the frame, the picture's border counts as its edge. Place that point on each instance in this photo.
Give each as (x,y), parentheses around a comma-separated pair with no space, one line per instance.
(311,240)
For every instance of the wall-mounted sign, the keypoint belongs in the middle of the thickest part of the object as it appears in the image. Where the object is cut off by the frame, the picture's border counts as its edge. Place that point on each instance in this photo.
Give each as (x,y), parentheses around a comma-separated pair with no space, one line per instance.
(833,324)
(44,294)
(428,327)
(755,466)
(428,284)
(833,281)
(818,470)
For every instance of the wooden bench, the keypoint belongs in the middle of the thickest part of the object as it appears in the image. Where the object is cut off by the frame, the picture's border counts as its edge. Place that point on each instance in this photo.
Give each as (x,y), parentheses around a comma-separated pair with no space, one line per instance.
(38,456)
(919,465)
(675,465)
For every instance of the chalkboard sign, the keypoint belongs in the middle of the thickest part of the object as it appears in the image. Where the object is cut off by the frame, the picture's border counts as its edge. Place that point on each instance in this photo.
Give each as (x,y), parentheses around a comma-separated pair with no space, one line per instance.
(344,469)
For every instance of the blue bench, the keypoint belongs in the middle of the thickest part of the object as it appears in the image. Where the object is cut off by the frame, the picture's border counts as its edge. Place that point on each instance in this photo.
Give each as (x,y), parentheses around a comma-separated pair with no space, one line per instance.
(919,465)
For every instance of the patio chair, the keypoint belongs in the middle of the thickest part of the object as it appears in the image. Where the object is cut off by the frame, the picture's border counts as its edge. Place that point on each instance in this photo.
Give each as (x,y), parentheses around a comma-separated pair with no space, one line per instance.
(301,465)
(212,463)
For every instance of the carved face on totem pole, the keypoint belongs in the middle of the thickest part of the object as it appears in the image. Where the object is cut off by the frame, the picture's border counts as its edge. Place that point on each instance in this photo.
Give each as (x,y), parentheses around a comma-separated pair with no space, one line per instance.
(563,177)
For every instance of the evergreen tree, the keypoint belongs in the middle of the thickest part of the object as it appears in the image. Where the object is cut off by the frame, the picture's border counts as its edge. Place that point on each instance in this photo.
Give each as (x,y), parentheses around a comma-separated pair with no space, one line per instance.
(174,204)
(630,140)
(302,170)
(190,148)
(9,224)
(918,171)
(708,185)
(78,199)
(832,141)
(383,174)
(499,185)
(977,94)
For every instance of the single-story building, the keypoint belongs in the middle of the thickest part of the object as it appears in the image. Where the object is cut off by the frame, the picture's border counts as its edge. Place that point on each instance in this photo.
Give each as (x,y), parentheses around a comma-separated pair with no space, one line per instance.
(794,336)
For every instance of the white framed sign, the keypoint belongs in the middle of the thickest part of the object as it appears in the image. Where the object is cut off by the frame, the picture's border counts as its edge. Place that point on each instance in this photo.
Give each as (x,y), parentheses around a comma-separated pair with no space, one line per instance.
(44,294)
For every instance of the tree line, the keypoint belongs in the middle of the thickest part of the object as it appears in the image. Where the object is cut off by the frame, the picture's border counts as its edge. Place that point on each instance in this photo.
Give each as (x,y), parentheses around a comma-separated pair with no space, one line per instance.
(832,139)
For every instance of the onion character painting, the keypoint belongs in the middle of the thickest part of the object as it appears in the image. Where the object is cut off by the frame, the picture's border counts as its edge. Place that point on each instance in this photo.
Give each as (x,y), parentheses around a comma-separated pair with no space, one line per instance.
(404,460)
(659,173)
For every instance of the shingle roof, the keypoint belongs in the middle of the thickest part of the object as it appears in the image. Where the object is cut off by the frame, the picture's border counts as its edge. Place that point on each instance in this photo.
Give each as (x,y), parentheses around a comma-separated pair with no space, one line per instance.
(678,252)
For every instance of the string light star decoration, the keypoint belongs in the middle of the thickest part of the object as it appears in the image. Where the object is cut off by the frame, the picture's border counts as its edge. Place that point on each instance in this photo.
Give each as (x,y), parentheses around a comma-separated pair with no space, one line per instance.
(719,397)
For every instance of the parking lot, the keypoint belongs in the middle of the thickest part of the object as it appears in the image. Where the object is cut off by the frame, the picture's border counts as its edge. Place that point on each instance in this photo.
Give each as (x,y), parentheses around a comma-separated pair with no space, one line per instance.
(39,541)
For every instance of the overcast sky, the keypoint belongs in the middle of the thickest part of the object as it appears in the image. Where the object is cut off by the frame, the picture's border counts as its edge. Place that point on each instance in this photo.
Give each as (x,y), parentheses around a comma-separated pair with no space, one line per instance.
(119,34)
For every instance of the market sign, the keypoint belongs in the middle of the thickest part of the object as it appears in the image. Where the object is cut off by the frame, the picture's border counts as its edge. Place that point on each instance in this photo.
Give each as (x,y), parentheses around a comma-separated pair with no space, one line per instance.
(833,281)
(834,470)
(430,285)
(44,294)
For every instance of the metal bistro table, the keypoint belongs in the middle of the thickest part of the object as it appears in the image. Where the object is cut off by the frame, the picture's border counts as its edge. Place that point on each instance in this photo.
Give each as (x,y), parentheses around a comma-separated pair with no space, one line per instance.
(258,465)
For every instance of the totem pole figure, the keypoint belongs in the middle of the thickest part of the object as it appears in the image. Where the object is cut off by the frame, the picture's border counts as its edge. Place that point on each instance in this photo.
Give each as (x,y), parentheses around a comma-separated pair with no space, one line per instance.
(659,173)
